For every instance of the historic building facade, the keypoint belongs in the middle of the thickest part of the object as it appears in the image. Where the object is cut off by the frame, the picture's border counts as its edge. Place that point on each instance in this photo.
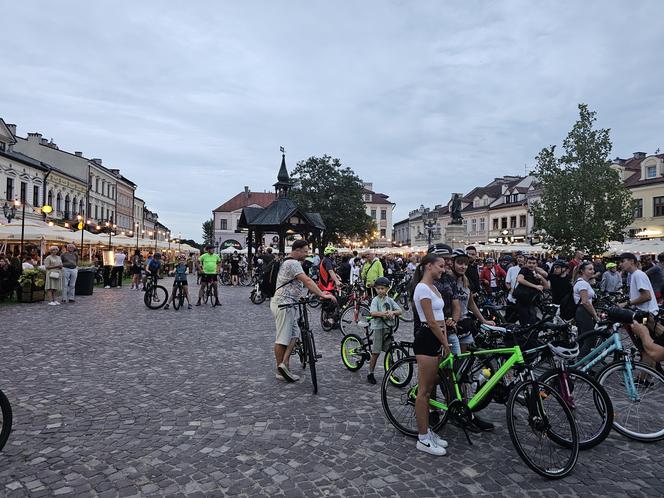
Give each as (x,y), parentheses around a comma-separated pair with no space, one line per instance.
(225,218)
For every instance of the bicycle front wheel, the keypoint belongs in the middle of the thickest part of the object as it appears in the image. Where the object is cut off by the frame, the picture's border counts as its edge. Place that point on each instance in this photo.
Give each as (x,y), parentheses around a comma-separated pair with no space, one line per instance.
(394,354)
(178,299)
(310,350)
(156,297)
(542,429)
(257,297)
(5,419)
(637,394)
(352,353)
(589,402)
(354,321)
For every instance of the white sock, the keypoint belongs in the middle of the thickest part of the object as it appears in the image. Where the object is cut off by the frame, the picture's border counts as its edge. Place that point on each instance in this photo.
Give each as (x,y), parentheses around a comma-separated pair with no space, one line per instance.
(424,438)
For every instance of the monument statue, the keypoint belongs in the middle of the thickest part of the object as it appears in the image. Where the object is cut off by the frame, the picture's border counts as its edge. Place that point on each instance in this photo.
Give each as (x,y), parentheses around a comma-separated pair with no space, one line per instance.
(455,211)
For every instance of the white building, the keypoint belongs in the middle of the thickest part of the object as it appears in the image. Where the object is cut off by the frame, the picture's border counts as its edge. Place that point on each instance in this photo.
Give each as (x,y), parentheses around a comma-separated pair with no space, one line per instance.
(380,209)
(225,218)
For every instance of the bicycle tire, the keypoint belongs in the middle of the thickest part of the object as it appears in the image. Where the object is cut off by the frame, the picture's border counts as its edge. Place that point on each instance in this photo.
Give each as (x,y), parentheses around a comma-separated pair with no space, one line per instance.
(352,352)
(311,357)
(325,315)
(613,380)
(245,280)
(314,300)
(407,311)
(593,411)
(5,419)
(532,399)
(176,298)
(348,323)
(257,297)
(394,354)
(156,297)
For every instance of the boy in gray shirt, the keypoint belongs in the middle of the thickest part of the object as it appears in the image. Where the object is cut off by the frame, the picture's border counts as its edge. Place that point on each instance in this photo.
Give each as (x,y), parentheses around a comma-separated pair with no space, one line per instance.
(383,310)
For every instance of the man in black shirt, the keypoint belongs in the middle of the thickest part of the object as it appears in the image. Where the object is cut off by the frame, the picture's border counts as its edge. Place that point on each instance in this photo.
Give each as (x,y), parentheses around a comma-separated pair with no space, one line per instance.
(473,271)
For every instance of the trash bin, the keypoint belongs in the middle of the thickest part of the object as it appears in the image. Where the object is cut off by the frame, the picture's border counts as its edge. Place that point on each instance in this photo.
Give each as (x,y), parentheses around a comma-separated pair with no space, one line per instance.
(85,281)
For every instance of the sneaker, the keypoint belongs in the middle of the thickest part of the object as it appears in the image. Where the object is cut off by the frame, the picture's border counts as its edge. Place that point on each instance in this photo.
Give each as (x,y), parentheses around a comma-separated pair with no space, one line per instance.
(280,377)
(437,439)
(431,448)
(72,301)
(107,287)
(371,379)
(189,306)
(57,303)
(166,306)
(288,375)
(482,425)
(216,304)
(52,303)
(198,303)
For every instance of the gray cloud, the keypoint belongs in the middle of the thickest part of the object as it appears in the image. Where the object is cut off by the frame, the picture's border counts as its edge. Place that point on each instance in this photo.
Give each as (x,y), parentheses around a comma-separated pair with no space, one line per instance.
(192,100)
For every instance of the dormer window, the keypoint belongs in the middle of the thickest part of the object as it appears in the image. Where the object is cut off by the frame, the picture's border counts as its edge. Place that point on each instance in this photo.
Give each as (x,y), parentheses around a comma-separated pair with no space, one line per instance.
(651,172)
(2,146)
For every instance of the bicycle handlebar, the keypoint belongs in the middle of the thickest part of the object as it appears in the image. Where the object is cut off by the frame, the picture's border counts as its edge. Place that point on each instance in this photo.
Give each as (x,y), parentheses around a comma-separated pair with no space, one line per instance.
(301,302)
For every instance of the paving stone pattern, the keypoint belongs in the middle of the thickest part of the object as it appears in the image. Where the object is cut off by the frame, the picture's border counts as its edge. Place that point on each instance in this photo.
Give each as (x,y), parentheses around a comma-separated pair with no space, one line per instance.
(113,399)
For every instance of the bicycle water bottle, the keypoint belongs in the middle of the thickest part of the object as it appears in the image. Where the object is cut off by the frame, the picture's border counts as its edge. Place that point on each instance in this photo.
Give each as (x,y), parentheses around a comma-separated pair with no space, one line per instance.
(484,375)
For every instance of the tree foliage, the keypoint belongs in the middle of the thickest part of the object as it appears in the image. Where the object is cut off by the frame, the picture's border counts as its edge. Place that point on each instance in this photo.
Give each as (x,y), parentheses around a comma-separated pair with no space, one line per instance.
(584,203)
(324,186)
(208,233)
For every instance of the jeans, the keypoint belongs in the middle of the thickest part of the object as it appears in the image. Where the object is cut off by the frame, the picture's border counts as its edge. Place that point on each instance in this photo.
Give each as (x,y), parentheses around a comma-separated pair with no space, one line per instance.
(455,344)
(69,284)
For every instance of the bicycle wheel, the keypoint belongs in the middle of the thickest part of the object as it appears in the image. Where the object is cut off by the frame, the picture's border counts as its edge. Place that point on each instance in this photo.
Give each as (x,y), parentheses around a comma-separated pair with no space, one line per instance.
(394,354)
(398,399)
(314,300)
(407,314)
(311,358)
(539,423)
(352,352)
(327,318)
(589,402)
(178,299)
(257,297)
(5,419)
(156,297)
(352,323)
(637,400)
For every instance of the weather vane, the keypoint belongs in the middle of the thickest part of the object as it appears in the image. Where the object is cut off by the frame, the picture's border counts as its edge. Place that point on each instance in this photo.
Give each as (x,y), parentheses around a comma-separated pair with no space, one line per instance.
(283,151)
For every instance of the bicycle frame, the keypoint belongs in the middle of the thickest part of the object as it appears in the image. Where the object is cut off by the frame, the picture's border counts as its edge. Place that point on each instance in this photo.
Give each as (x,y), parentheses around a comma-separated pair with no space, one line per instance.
(609,346)
(515,357)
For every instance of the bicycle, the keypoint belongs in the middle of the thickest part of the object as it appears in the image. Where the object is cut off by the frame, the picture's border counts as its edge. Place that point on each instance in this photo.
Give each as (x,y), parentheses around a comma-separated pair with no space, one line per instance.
(355,350)
(305,346)
(636,389)
(257,296)
(155,295)
(547,420)
(5,419)
(210,292)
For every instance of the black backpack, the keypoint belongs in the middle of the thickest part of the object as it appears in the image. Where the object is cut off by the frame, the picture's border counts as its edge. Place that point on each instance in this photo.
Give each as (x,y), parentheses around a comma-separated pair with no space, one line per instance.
(568,306)
(268,282)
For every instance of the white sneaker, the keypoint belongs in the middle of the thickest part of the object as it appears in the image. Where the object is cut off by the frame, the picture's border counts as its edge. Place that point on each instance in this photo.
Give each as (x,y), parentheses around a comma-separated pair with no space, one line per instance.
(57,303)
(431,448)
(52,303)
(437,439)
(280,377)
(287,374)
(107,287)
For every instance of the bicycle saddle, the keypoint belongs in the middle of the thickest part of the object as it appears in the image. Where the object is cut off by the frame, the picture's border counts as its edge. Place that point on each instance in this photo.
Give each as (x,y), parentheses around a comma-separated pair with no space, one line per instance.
(555,327)
(493,328)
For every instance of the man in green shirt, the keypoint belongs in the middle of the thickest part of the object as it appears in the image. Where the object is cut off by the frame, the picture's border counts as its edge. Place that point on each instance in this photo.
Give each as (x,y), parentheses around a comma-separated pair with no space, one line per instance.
(371,270)
(210,265)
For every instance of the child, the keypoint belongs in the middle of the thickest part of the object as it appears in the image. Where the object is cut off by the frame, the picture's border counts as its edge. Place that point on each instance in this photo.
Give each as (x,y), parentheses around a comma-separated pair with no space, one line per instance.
(383,310)
(181,271)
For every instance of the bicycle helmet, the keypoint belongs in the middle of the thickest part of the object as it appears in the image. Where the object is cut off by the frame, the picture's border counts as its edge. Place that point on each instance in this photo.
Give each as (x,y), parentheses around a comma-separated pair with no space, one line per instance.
(559,262)
(490,260)
(382,282)
(564,350)
(459,253)
(440,249)
(329,250)
(157,255)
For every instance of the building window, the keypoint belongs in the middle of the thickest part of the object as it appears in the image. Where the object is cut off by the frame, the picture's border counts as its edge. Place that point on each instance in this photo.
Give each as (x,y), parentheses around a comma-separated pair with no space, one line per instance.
(473,225)
(2,146)
(503,222)
(638,208)
(49,199)
(465,226)
(80,207)
(382,233)
(658,206)
(223,224)
(96,212)
(67,206)
(373,214)
(383,214)
(512,221)
(507,199)
(35,195)
(515,197)
(24,191)
(651,171)
(522,221)
(495,223)
(9,193)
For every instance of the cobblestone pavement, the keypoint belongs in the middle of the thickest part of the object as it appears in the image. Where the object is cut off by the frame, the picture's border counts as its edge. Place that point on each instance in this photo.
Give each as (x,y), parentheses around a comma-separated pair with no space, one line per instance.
(112,399)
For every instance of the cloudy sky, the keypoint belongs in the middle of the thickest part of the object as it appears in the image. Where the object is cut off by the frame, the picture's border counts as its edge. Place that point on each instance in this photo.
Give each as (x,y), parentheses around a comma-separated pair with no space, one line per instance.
(191,100)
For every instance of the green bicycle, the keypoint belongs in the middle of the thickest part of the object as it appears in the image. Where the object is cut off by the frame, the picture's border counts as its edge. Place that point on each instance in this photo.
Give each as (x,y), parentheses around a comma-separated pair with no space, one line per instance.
(541,425)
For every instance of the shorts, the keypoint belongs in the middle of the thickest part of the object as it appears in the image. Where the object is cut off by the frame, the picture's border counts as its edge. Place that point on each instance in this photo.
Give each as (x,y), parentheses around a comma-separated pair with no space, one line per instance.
(209,277)
(382,340)
(286,323)
(426,343)
(235,271)
(183,282)
(136,270)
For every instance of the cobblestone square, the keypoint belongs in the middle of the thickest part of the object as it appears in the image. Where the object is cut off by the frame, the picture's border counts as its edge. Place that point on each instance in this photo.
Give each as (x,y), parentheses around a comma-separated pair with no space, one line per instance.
(113,399)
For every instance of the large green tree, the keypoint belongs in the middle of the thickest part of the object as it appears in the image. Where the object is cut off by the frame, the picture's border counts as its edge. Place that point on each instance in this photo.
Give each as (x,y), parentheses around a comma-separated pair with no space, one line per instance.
(325,186)
(208,233)
(584,203)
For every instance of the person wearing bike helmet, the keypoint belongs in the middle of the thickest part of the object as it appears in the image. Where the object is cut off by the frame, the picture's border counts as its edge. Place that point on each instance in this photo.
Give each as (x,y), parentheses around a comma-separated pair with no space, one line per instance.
(328,279)
(181,271)
(383,310)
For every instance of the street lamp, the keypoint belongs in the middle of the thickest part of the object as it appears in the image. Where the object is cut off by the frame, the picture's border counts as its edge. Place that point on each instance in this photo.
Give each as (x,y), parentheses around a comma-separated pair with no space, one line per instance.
(81,227)
(110,228)
(136,225)
(9,211)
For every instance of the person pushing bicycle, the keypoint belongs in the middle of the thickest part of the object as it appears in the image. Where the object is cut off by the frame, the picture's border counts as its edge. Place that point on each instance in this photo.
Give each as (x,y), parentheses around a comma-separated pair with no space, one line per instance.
(383,310)
(211,264)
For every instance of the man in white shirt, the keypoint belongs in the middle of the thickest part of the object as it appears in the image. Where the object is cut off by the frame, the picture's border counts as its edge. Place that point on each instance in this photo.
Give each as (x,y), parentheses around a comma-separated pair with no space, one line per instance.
(513,274)
(118,268)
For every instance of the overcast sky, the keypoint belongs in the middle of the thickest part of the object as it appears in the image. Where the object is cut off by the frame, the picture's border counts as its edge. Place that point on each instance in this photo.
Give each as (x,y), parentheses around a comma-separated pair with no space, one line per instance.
(191,100)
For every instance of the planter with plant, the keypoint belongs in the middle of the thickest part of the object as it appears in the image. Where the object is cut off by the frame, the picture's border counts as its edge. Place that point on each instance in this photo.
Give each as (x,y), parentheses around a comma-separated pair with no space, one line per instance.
(31,285)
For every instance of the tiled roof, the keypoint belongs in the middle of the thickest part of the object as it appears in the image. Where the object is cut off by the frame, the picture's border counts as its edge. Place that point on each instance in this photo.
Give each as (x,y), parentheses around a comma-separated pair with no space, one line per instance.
(376,197)
(634,165)
(242,200)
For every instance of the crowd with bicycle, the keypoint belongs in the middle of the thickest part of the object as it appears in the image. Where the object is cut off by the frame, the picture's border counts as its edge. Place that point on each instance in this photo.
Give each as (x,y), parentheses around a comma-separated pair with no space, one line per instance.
(592,322)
